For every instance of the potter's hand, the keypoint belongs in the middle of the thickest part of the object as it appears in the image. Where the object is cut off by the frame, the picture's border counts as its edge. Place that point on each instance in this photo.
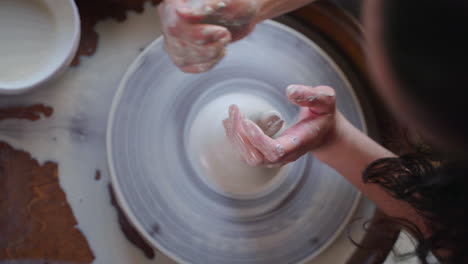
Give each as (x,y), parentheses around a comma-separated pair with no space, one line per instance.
(197,31)
(315,128)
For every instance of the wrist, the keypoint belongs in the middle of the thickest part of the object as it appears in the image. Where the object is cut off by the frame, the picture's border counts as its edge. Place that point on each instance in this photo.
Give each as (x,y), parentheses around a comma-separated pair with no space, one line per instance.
(335,139)
(263,11)
(349,143)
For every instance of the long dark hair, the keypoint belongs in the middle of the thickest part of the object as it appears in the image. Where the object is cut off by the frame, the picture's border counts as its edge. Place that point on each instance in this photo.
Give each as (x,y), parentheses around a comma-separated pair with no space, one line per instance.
(437,189)
(427,46)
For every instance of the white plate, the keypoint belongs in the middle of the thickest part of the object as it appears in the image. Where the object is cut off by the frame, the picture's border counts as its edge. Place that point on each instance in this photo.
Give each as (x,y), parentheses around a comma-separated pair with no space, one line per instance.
(38,40)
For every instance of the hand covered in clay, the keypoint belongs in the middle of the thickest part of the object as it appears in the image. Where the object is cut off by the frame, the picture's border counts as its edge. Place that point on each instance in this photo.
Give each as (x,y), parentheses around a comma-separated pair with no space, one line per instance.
(197,31)
(315,128)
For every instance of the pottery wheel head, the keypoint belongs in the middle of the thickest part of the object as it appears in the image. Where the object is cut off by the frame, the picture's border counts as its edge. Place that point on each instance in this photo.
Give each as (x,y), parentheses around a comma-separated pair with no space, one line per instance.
(172,166)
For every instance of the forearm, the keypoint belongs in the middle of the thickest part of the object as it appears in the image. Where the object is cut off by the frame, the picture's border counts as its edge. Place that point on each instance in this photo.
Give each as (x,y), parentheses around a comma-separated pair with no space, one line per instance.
(350,154)
(273,8)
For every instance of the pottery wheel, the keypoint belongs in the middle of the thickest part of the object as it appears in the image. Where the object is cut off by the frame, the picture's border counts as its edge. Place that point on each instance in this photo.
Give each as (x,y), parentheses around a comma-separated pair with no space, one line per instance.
(162,174)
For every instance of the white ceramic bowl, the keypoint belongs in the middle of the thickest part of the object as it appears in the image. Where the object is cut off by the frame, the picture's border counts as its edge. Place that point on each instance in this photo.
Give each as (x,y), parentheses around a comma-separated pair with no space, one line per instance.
(38,40)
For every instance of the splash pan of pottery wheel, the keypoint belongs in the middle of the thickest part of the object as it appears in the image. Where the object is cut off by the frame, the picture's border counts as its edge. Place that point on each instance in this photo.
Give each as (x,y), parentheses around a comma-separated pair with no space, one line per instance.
(183,187)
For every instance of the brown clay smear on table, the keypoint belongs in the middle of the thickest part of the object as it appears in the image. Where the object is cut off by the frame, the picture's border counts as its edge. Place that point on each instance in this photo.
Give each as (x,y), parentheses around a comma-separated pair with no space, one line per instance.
(92,12)
(33,112)
(130,232)
(36,222)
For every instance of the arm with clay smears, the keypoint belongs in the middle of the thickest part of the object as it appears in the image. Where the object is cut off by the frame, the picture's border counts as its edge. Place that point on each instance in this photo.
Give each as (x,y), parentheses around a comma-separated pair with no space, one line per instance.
(350,153)
(322,130)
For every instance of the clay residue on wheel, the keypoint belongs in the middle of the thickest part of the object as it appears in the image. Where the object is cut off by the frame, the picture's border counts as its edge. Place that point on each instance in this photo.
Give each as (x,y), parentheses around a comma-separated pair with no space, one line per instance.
(36,222)
(92,12)
(130,232)
(97,176)
(32,112)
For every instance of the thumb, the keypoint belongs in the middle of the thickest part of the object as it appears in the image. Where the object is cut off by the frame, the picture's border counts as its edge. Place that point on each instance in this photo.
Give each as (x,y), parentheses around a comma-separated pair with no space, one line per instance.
(320,100)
